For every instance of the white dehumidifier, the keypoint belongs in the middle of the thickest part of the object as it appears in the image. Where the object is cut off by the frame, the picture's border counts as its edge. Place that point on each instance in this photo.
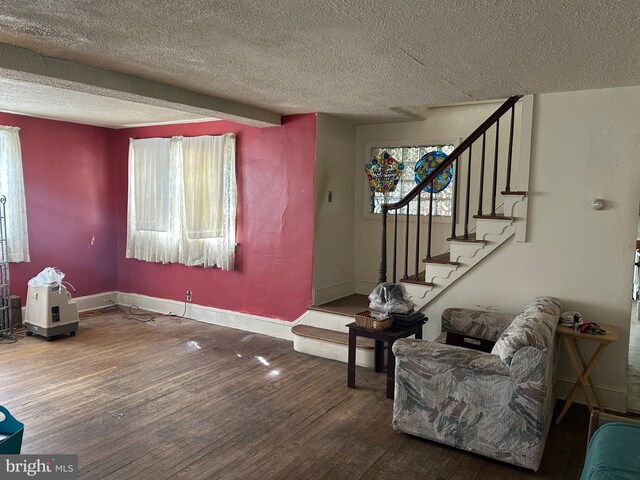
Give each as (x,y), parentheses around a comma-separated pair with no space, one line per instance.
(50,311)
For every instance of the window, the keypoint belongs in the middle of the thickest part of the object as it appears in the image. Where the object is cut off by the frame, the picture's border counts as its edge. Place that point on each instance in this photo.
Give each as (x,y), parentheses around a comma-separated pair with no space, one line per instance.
(182,200)
(12,187)
(442,201)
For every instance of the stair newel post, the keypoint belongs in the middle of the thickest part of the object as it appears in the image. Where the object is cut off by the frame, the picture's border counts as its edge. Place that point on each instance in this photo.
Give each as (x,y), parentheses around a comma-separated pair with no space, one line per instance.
(468,196)
(382,272)
(417,237)
(481,192)
(406,246)
(395,245)
(454,206)
(510,153)
(430,221)
(495,169)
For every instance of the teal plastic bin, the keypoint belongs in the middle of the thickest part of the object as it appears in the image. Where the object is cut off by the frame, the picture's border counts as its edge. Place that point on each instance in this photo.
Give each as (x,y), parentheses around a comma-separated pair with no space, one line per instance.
(11,431)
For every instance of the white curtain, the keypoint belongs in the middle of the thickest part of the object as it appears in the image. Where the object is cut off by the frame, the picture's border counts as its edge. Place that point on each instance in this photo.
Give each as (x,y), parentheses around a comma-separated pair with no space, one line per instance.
(152,221)
(197,177)
(209,193)
(12,187)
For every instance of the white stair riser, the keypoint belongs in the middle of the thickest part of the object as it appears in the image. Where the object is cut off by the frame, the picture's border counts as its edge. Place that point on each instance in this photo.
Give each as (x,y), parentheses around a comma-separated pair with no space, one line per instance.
(510,202)
(464,250)
(441,271)
(413,289)
(332,351)
(490,226)
(329,321)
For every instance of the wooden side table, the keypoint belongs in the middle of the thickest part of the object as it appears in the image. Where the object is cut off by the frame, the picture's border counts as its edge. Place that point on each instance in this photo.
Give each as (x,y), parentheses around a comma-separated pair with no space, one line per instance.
(380,336)
(16,310)
(582,368)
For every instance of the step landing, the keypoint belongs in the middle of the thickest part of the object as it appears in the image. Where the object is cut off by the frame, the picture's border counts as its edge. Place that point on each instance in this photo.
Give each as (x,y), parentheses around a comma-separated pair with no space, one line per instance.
(322,331)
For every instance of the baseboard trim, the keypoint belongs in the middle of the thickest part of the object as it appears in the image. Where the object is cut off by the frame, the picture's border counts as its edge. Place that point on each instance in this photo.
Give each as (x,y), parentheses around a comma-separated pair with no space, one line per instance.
(88,302)
(364,288)
(326,294)
(215,316)
(614,398)
(96,301)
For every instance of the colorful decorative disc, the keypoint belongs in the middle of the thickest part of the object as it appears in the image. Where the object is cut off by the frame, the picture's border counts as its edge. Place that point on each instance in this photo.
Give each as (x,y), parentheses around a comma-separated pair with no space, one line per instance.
(383,173)
(427,164)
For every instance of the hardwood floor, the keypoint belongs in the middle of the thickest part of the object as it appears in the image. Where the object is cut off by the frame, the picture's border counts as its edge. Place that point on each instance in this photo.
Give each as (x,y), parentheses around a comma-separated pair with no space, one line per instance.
(187,400)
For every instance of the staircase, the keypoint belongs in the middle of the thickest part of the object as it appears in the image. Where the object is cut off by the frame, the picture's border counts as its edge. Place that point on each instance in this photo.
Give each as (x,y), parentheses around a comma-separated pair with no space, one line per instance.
(482,220)
(323,332)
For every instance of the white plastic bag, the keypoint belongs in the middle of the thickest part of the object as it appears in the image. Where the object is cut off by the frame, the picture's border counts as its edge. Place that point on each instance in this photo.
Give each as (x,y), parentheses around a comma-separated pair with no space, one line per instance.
(390,298)
(50,276)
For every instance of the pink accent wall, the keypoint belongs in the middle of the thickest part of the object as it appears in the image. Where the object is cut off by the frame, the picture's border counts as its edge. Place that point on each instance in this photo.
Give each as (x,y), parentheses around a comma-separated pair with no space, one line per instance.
(275,173)
(69,174)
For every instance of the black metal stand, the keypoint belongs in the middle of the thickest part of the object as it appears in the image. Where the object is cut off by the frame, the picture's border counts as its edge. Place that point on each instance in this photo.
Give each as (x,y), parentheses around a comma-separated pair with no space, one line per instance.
(6,328)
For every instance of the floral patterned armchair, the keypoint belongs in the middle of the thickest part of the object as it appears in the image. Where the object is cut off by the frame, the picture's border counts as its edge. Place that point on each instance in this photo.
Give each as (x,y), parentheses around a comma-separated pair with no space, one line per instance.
(496,404)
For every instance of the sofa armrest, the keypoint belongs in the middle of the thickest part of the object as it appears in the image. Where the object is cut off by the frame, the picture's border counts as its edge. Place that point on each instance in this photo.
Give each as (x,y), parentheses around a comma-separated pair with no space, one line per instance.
(476,323)
(423,352)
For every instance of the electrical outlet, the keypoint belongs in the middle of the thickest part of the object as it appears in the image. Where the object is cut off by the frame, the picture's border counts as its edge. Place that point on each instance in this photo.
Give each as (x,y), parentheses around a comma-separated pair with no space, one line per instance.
(189,295)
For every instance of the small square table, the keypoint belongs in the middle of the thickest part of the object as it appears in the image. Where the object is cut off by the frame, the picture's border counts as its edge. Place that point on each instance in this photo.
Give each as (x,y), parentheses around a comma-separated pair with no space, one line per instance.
(380,336)
(570,339)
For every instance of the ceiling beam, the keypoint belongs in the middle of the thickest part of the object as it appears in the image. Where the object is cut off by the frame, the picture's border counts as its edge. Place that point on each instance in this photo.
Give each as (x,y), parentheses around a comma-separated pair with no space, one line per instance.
(26,65)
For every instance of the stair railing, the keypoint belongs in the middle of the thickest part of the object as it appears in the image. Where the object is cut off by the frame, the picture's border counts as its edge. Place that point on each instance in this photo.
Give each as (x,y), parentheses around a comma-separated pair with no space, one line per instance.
(452,159)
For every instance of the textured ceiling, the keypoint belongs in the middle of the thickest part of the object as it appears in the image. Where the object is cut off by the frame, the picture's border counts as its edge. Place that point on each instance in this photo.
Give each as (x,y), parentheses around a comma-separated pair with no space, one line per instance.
(368,60)
(62,104)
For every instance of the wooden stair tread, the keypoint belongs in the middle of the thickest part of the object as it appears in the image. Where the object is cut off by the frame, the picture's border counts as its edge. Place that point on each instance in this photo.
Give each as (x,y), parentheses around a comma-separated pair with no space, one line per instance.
(339,338)
(347,306)
(513,193)
(444,259)
(471,239)
(417,280)
(497,216)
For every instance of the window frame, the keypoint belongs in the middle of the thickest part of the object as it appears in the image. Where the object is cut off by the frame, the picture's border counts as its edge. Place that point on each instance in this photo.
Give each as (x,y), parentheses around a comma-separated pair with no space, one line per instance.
(366,213)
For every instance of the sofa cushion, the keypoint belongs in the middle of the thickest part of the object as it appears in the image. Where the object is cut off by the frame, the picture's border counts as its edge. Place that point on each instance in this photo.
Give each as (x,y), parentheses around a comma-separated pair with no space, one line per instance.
(534,327)
(476,323)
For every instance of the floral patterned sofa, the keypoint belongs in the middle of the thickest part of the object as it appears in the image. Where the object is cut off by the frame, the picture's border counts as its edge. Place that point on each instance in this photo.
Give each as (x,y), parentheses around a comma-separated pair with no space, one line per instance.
(496,404)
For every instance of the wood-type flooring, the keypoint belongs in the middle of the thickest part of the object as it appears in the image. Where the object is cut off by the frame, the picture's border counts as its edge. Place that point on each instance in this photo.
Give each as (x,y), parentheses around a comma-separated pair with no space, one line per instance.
(181,399)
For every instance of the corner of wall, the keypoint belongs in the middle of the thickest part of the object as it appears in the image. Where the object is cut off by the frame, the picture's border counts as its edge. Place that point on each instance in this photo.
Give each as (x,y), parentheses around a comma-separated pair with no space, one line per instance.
(333,251)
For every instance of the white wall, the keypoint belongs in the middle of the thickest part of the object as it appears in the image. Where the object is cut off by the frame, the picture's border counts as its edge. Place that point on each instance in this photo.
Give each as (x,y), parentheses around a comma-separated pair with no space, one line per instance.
(585,145)
(333,238)
(443,124)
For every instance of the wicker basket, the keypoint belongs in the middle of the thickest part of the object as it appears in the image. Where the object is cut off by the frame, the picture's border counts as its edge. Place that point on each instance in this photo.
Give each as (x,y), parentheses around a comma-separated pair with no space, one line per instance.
(365,320)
